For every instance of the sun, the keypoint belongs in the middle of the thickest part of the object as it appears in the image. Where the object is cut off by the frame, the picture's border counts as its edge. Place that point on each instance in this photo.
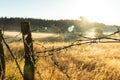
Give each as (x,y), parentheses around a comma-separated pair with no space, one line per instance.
(91,19)
(92,10)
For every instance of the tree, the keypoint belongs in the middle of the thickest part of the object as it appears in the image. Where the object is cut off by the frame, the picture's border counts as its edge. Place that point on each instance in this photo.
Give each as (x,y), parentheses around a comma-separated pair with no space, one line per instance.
(98,32)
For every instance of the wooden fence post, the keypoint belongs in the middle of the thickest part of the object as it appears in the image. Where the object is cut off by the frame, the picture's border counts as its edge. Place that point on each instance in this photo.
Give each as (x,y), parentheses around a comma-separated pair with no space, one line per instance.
(28,47)
(2,59)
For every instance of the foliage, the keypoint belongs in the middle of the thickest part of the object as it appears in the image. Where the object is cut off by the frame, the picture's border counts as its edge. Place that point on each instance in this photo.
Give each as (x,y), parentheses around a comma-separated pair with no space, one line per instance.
(56,26)
(41,24)
(98,32)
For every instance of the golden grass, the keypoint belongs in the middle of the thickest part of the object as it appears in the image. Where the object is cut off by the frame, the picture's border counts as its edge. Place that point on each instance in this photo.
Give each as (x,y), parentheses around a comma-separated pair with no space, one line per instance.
(86,62)
(34,35)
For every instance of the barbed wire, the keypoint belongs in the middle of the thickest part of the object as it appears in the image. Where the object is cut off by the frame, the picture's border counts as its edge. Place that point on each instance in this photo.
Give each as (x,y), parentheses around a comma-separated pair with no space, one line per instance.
(17,35)
(17,64)
(84,41)
(62,69)
(101,37)
(33,60)
(51,52)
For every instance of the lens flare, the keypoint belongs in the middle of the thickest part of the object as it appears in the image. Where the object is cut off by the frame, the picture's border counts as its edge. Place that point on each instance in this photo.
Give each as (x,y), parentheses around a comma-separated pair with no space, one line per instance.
(71,28)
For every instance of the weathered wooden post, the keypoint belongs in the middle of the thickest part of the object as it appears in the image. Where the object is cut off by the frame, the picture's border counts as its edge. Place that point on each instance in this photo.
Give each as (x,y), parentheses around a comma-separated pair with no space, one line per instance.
(28,47)
(2,59)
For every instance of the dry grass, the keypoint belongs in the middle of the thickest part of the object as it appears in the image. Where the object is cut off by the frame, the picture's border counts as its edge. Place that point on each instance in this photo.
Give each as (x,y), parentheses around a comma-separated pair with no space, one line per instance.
(34,35)
(86,62)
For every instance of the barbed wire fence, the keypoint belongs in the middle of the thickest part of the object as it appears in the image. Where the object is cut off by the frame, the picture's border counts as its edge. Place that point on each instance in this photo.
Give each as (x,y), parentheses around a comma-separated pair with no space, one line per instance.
(32,57)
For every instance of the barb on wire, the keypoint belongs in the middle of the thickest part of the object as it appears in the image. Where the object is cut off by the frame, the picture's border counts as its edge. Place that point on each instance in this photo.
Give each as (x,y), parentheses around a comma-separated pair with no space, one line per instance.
(62,48)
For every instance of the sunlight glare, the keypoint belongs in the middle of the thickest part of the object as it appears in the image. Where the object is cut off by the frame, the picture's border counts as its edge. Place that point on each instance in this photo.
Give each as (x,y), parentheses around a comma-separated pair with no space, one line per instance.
(92,10)
(91,33)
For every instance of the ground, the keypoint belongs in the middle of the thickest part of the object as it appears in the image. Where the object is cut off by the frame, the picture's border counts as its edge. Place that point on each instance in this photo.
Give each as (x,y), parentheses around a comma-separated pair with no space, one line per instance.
(95,61)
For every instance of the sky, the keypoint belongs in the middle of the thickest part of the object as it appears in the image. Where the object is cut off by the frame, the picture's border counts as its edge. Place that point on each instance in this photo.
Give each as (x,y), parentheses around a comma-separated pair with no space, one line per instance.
(103,11)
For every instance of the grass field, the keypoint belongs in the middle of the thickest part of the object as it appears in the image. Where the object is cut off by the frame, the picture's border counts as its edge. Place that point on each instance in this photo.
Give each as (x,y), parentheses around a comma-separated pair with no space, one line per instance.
(44,37)
(34,35)
(85,62)
(12,36)
(97,61)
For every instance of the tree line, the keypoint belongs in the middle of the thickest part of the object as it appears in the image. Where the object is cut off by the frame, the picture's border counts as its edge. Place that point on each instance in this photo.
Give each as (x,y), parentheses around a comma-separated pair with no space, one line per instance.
(44,25)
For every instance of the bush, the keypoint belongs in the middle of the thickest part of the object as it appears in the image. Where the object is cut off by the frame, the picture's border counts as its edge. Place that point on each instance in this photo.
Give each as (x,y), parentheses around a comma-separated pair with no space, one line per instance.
(98,32)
